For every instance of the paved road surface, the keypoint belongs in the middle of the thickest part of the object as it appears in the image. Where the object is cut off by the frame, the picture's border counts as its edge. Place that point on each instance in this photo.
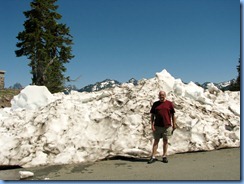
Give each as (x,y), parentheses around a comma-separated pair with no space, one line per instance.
(221,164)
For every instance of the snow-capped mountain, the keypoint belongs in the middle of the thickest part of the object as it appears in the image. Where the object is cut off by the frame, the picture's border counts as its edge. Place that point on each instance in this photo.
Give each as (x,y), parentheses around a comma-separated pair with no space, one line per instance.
(225,85)
(133,81)
(222,85)
(108,83)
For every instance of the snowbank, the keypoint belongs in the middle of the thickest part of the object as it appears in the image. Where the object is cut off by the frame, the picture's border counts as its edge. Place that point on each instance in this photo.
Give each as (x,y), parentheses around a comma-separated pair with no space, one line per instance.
(45,129)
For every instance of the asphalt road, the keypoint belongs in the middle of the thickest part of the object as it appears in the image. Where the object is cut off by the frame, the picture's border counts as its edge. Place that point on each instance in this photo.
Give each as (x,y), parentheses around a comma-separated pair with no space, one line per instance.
(218,165)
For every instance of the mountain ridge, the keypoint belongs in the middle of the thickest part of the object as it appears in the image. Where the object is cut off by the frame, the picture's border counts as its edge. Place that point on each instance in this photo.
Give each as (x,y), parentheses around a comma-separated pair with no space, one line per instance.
(108,83)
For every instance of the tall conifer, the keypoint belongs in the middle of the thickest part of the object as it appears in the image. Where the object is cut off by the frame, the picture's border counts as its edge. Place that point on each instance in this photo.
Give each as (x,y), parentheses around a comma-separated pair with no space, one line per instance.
(46,43)
(236,85)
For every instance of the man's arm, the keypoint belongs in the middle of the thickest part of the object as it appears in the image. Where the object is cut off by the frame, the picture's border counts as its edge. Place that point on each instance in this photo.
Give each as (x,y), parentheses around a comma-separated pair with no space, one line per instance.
(174,121)
(152,121)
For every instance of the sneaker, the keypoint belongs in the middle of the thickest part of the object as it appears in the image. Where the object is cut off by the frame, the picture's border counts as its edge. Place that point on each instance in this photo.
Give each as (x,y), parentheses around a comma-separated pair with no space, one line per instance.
(165,160)
(151,160)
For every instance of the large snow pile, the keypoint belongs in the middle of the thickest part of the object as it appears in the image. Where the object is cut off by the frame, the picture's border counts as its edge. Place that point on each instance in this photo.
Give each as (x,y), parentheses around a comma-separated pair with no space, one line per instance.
(46,129)
(32,97)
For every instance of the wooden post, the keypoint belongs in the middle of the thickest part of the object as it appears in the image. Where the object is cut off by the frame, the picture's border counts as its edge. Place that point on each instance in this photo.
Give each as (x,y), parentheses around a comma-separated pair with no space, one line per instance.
(2,79)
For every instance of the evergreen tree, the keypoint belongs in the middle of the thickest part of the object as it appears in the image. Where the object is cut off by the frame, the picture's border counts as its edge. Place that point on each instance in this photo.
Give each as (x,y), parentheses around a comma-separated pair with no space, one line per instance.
(236,86)
(238,80)
(46,43)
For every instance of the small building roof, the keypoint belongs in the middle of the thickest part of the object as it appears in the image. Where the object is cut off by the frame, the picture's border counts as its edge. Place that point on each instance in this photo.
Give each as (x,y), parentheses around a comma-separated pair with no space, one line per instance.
(1,71)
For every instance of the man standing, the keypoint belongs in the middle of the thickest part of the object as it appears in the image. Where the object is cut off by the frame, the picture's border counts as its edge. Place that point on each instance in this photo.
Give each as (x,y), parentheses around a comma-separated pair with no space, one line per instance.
(162,112)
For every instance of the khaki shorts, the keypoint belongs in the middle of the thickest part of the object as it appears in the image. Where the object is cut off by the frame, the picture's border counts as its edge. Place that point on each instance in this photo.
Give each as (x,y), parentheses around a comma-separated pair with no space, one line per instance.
(162,132)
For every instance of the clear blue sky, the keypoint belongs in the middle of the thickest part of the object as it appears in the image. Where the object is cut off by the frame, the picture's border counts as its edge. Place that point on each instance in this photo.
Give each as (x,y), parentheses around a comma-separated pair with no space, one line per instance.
(195,40)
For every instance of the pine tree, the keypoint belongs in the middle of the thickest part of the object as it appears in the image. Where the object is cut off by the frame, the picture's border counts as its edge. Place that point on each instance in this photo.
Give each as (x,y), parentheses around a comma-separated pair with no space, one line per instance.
(238,80)
(236,86)
(46,43)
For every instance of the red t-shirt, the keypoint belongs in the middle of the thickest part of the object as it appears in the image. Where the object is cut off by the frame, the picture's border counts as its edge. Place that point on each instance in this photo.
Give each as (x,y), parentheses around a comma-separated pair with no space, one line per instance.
(163,112)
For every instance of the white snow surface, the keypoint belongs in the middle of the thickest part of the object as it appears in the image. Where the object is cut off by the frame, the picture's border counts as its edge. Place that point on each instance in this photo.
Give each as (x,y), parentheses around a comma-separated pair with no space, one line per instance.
(51,129)
(25,174)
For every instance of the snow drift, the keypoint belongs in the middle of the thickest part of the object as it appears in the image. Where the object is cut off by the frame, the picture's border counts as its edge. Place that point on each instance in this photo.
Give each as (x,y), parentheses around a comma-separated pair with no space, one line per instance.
(45,129)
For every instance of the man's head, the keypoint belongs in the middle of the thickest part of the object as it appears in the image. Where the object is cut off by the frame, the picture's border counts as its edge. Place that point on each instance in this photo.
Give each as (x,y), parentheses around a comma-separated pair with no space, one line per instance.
(162,96)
